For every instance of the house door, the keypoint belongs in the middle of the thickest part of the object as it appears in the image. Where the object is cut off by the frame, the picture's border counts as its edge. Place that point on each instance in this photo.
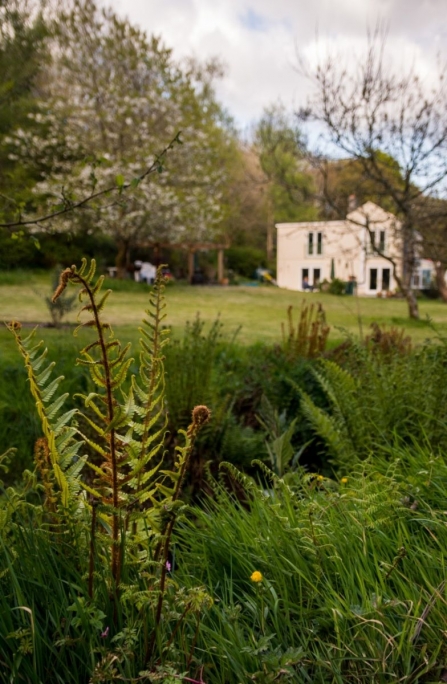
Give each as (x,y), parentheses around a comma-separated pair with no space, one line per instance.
(305,279)
(373,279)
(317,276)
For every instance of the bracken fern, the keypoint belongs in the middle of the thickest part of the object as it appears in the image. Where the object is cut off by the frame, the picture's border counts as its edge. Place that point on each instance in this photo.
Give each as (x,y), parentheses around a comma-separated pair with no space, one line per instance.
(125,428)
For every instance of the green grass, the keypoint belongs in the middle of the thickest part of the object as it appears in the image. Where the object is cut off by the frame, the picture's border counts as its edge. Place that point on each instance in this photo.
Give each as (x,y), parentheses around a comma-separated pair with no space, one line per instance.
(259,311)
(348,571)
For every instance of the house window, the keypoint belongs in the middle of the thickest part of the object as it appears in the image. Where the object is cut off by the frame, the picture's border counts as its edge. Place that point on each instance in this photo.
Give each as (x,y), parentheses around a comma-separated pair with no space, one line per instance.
(426,279)
(373,278)
(386,273)
(305,278)
(319,243)
(376,241)
(310,243)
(314,243)
(317,276)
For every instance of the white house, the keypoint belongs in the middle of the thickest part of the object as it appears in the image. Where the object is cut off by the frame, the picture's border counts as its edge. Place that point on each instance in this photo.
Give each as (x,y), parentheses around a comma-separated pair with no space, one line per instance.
(310,252)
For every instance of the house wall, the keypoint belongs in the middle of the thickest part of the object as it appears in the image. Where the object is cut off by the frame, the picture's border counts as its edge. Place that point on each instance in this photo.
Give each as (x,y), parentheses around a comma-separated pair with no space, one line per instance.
(346,247)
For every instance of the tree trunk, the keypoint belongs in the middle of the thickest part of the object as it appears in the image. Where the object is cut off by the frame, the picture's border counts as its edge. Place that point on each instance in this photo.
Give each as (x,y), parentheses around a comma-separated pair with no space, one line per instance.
(190,265)
(404,285)
(220,266)
(269,243)
(408,268)
(122,258)
(413,306)
(440,280)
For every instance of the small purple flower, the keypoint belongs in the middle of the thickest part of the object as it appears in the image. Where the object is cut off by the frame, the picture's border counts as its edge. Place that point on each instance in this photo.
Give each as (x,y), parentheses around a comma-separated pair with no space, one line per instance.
(168,566)
(105,633)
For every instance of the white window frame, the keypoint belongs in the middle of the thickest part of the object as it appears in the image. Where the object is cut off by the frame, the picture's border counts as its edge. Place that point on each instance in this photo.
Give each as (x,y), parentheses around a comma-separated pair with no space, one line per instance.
(317,241)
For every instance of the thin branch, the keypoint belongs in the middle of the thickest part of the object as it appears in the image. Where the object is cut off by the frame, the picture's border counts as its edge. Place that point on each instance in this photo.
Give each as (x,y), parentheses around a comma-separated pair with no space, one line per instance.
(155,166)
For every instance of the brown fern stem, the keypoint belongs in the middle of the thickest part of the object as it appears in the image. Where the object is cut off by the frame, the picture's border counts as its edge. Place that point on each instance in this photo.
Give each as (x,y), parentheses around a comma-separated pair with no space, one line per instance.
(116,561)
(91,563)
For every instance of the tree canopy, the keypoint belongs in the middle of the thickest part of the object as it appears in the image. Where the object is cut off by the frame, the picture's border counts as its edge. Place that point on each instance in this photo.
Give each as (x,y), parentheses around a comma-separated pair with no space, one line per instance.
(113,98)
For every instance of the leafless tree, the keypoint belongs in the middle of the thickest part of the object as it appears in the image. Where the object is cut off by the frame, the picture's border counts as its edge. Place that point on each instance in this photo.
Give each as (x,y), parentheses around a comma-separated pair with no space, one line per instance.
(395,126)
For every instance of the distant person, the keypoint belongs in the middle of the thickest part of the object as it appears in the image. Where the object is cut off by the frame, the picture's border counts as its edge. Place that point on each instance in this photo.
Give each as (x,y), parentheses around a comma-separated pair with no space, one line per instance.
(306,285)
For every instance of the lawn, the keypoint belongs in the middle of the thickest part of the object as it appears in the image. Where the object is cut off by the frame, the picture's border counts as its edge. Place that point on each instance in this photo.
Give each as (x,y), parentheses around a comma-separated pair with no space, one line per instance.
(255,312)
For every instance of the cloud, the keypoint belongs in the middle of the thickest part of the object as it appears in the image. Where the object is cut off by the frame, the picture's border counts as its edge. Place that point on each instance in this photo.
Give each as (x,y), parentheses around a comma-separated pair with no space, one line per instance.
(259,40)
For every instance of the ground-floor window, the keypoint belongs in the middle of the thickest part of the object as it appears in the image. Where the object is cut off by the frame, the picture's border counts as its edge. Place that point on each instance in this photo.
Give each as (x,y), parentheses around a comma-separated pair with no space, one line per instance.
(422,279)
(386,278)
(373,278)
(317,276)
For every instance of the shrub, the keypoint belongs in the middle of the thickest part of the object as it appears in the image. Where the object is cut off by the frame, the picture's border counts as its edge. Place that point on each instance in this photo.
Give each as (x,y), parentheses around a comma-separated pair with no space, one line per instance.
(245,260)
(336,287)
(382,397)
(64,303)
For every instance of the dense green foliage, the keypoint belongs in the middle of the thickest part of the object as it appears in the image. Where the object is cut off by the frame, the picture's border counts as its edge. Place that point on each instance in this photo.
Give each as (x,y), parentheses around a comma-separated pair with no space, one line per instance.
(322,562)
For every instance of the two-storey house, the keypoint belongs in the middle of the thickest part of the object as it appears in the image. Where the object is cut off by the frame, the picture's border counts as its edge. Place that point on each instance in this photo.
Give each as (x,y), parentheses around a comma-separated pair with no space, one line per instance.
(310,252)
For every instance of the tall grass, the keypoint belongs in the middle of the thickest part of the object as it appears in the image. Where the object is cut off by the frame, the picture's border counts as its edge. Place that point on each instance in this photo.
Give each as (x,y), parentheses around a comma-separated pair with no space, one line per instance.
(354,571)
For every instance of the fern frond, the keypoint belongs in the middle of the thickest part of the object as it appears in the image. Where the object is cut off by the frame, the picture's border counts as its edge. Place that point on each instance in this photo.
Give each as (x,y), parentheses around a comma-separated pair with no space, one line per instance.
(243,480)
(150,422)
(331,430)
(58,436)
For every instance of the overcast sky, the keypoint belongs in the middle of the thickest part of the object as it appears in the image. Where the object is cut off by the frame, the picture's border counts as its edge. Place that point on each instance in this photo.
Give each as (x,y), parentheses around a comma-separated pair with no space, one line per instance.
(258,39)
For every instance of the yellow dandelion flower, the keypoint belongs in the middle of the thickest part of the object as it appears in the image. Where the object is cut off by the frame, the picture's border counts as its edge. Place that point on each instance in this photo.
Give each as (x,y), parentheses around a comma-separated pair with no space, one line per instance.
(256,576)
(320,478)
(344,480)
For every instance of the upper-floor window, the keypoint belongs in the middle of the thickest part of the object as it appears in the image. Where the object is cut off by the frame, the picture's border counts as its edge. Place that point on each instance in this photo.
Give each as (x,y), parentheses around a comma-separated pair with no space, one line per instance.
(377,241)
(315,243)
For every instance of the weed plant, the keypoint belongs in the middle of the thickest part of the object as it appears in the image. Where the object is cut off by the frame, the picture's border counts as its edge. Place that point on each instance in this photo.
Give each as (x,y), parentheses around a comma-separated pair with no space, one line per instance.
(61,306)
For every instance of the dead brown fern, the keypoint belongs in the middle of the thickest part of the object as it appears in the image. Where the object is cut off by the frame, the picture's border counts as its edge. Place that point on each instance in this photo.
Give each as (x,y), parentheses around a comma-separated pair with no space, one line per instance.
(308,338)
(386,341)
